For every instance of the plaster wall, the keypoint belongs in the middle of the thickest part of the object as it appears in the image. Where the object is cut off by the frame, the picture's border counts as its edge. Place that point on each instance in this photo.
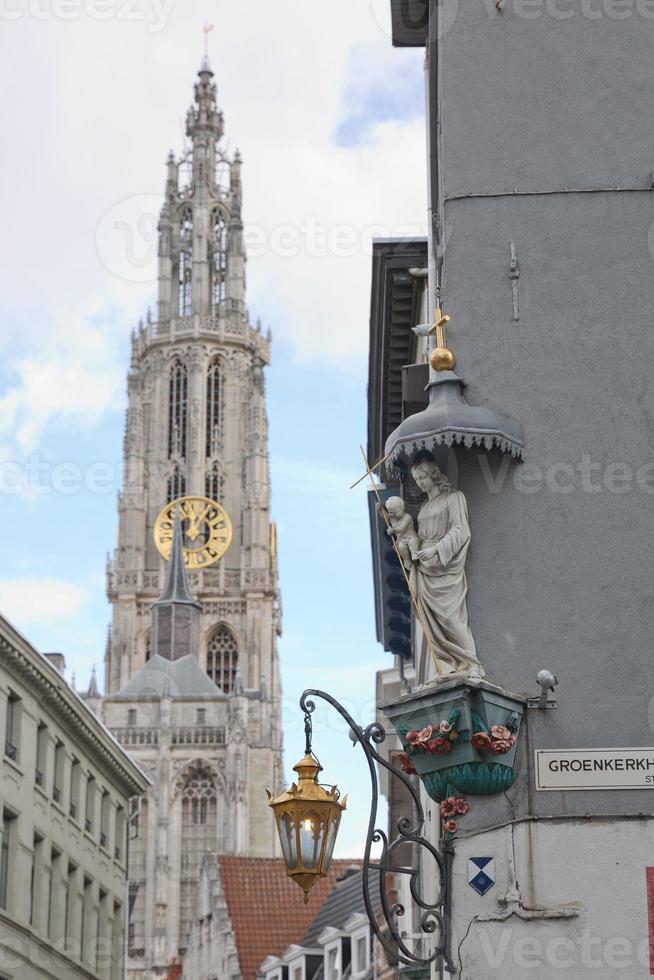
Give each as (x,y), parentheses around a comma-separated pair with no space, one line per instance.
(547,915)
(547,145)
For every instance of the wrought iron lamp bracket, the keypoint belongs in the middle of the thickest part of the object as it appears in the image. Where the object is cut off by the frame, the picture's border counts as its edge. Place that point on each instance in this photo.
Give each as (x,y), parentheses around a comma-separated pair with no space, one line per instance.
(434,915)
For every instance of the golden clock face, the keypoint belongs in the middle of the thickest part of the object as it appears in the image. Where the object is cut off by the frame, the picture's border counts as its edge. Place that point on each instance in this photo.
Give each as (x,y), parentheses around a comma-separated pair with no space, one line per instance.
(206,529)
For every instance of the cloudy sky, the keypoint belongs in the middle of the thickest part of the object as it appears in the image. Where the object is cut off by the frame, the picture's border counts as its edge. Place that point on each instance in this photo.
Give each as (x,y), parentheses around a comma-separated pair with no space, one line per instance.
(329,119)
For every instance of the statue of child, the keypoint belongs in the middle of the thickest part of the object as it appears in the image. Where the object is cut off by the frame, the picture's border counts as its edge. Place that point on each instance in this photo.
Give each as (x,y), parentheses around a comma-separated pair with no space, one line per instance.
(403,530)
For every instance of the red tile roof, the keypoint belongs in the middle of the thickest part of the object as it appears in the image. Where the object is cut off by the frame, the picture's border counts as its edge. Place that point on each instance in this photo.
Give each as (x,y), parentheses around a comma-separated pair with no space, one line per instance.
(267,908)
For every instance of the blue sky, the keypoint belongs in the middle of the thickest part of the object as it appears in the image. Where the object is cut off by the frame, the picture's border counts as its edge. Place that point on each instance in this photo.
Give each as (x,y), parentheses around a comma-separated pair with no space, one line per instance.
(323,160)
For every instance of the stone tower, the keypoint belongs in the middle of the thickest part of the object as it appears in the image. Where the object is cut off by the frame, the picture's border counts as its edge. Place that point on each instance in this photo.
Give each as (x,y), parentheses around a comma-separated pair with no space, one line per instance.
(192,673)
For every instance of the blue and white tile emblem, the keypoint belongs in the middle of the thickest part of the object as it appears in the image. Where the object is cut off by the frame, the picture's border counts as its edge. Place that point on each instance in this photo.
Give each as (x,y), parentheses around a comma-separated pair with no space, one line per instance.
(481,874)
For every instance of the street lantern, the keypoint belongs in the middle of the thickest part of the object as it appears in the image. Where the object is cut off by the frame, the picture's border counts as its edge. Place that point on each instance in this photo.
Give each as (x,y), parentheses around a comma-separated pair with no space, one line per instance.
(308,817)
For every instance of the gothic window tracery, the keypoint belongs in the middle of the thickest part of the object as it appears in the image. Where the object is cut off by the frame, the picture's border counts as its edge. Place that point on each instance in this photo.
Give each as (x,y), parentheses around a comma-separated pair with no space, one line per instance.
(214,408)
(222,658)
(185,264)
(218,261)
(176,485)
(177,410)
(197,788)
(214,484)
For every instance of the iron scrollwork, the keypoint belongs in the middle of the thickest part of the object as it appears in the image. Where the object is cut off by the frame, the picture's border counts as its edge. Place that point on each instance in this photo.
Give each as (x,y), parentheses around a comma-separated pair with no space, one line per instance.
(434,915)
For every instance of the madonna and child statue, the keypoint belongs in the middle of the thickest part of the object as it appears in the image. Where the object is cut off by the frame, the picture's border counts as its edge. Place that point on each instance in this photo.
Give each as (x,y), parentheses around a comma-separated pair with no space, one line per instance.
(436,556)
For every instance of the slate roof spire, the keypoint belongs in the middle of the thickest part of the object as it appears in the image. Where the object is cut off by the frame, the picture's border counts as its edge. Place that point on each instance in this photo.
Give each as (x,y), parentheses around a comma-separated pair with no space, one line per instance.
(176,615)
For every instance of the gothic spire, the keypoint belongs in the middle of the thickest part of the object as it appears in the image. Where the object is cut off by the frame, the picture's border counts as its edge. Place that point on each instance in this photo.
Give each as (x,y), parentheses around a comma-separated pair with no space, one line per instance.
(176,615)
(176,587)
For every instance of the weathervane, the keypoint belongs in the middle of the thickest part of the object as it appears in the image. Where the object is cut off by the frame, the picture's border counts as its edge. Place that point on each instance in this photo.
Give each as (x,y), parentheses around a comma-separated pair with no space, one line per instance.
(207,31)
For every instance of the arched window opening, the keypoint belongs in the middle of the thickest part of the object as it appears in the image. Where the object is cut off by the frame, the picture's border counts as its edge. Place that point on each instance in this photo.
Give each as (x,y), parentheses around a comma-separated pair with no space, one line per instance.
(147,637)
(218,261)
(214,408)
(222,658)
(177,410)
(214,484)
(176,485)
(197,788)
(185,264)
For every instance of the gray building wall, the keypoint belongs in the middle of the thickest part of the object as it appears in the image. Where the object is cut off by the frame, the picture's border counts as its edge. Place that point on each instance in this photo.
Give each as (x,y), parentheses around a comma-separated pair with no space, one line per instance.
(547,143)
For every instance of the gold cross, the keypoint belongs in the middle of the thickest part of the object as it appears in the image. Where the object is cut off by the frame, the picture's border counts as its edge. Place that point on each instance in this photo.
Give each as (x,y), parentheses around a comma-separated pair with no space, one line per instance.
(439,327)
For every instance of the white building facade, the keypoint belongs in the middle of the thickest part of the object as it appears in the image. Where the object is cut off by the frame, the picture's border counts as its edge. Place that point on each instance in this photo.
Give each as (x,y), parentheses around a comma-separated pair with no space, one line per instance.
(66,790)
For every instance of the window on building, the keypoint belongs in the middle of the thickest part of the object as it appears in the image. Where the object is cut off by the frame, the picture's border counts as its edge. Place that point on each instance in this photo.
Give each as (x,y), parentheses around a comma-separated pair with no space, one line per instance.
(36,876)
(201,716)
(90,804)
(12,728)
(222,658)
(214,484)
(298,972)
(214,408)
(198,791)
(70,895)
(185,265)
(8,822)
(54,882)
(87,930)
(105,815)
(58,775)
(102,954)
(131,717)
(176,489)
(121,831)
(360,954)
(333,962)
(75,782)
(218,262)
(41,754)
(177,410)
(131,922)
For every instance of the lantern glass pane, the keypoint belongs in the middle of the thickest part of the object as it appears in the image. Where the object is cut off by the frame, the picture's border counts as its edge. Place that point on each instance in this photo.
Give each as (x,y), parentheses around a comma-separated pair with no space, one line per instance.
(288,840)
(331,839)
(312,833)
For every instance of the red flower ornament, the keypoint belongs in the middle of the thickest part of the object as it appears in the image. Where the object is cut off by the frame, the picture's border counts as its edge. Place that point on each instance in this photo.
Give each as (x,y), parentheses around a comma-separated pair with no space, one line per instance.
(406,765)
(480,741)
(500,732)
(450,826)
(501,746)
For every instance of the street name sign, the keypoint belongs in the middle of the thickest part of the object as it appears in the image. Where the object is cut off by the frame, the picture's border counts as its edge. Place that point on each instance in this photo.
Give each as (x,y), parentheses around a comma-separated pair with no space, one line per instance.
(587,769)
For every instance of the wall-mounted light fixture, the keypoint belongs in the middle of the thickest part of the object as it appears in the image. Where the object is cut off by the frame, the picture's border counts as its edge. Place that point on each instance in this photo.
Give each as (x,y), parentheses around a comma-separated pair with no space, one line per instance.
(308,817)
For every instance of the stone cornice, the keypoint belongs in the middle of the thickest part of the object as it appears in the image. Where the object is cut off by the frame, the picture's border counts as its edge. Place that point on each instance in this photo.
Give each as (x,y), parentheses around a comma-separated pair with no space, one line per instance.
(51,688)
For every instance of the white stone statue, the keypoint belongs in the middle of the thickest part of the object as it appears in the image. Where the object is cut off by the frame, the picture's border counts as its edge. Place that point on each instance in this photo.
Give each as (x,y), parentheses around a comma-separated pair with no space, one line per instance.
(438,577)
(402,528)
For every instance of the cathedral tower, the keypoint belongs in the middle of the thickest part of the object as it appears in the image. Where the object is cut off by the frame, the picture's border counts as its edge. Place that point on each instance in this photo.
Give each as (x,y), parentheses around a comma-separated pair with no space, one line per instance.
(196,423)
(192,673)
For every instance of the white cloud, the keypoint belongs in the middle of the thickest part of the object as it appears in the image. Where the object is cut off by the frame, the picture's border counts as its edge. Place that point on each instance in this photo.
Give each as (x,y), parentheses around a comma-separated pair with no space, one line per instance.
(32,600)
(91,108)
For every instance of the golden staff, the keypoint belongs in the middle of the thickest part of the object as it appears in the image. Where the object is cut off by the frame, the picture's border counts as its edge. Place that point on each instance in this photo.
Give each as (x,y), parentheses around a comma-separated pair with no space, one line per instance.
(414,599)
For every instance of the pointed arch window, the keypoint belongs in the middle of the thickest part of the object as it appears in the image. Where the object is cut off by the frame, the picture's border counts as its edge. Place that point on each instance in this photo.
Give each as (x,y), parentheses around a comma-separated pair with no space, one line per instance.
(198,790)
(222,658)
(218,261)
(176,485)
(214,484)
(185,264)
(214,408)
(177,410)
